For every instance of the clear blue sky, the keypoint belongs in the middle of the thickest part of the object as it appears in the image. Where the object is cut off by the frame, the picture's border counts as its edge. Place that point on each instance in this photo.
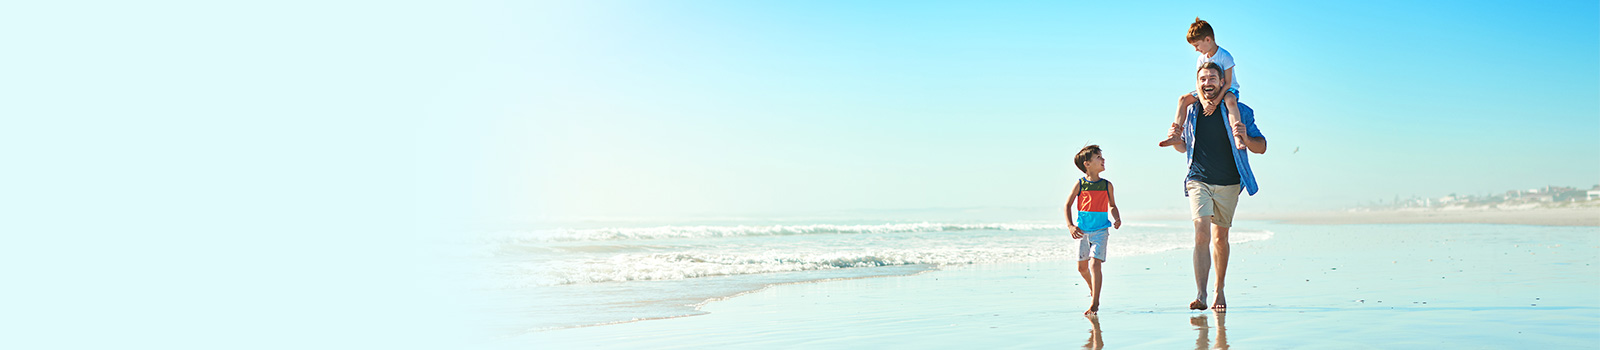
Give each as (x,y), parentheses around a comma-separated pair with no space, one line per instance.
(627,108)
(642,108)
(636,108)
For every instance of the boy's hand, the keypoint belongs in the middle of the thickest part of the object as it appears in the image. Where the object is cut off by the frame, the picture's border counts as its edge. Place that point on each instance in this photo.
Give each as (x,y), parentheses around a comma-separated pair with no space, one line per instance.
(1210,106)
(1076,233)
(1117,224)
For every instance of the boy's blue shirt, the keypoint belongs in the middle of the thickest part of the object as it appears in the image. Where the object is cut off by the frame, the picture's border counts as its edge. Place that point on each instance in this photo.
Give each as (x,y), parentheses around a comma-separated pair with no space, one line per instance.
(1241,157)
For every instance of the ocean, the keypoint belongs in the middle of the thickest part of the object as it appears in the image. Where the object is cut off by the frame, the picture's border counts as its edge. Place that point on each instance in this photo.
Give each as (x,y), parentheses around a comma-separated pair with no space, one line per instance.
(1012,283)
(606,271)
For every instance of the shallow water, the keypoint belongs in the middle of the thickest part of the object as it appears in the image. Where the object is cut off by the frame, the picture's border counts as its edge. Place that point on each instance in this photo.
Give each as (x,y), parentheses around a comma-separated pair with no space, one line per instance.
(608,272)
(1348,286)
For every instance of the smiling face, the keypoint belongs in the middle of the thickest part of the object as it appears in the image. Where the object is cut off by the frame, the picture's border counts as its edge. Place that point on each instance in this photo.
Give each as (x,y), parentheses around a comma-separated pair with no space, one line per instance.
(1208,82)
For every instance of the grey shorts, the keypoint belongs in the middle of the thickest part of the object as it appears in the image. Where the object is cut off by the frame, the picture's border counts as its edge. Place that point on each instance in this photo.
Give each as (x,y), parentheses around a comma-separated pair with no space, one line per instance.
(1215,201)
(1093,242)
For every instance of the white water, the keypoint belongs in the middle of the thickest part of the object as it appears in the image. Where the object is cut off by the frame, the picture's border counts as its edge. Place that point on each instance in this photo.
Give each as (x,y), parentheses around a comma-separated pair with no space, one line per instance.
(566,277)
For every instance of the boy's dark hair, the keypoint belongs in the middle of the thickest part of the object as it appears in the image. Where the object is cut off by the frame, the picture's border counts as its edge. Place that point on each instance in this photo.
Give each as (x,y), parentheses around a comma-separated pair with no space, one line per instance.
(1200,30)
(1084,155)
(1211,66)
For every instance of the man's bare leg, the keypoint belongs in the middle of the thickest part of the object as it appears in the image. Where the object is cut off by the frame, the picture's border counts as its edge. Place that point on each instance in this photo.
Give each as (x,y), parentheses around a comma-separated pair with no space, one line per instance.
(1094,290)
(1088,282)
(1219,254)
(1202,261)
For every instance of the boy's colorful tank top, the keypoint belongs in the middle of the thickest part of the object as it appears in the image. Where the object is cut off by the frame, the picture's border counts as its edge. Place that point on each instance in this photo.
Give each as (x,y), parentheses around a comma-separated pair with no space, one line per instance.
(1094,202)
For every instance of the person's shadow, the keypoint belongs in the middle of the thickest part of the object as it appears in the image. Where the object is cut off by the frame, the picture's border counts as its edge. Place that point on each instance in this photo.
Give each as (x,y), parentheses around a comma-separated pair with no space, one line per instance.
(1203,342)
(1094,343)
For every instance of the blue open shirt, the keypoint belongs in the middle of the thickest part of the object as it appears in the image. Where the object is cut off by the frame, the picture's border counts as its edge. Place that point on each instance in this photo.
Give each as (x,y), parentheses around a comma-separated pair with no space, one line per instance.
(1241,157)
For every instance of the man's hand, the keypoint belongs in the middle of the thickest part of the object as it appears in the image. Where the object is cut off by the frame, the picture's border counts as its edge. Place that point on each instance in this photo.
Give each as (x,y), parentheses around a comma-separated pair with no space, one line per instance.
(1240,132)
(1076,233)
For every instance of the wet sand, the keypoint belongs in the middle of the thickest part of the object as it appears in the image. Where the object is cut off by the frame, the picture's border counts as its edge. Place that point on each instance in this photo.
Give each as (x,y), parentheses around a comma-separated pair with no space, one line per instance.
(1331,286)
(1547,217)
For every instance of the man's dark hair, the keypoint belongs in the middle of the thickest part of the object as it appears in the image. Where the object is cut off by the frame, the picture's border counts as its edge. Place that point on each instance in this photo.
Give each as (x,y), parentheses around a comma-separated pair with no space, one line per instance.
(1084,155)
(1211,66)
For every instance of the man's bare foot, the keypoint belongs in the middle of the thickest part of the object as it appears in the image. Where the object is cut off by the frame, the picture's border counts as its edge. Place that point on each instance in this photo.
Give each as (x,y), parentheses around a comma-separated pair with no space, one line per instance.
(1221,305)
(1197,305)
(1094,309)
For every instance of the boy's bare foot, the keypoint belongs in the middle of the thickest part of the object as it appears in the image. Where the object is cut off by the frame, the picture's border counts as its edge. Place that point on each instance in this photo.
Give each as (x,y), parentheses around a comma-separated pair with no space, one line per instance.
(1238,142)
(1174,136)
(1094,309)
(1221,305)
(1197,305)
(1170,142)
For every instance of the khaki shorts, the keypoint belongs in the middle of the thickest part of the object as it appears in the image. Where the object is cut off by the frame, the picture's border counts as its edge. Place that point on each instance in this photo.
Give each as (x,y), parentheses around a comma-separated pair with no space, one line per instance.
(1215,201)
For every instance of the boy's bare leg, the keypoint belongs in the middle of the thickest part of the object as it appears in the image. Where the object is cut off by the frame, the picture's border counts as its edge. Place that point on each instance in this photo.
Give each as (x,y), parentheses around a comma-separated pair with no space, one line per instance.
(1094,290)
(1219,254)
(1232,102)
(1202,261)
(1183,109)
(1083,269)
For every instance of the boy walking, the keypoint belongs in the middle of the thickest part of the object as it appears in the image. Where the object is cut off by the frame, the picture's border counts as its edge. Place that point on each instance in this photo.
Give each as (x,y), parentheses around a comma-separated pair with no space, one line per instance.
(1097,214)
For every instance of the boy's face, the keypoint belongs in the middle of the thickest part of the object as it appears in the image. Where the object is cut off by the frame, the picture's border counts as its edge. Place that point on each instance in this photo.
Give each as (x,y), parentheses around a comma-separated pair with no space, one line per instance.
(1204,45)
(1096,163)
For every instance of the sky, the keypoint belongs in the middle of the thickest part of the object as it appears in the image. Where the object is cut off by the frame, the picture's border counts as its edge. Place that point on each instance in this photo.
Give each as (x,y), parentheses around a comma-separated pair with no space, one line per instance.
(711,107)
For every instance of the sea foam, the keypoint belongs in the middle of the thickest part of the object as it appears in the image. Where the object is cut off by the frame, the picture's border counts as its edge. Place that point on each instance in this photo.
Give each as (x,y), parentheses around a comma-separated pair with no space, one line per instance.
(559,257)
(661,232)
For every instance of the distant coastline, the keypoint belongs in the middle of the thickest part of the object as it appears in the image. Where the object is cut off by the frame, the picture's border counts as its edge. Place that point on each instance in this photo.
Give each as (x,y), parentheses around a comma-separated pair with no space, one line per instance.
(1546,216)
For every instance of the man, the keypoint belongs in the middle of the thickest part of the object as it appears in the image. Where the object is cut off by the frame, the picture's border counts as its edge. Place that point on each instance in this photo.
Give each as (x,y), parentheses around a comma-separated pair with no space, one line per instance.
(1217,171)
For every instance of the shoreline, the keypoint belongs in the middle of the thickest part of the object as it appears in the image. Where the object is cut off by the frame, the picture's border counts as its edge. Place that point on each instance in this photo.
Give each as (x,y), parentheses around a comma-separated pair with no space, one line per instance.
(1541,217)
(1447,286)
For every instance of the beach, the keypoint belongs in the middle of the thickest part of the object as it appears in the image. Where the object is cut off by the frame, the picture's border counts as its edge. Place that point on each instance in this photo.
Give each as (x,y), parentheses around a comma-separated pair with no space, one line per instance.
(1584,216)
(1306,285)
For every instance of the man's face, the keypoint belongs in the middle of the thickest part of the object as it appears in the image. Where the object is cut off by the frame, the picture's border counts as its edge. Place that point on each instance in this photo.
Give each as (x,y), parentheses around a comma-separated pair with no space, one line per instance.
(1208,83)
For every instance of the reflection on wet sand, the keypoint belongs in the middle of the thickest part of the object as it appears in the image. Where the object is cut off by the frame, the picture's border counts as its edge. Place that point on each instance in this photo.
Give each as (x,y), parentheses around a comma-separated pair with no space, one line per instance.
(1203,341)
(1094,343)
